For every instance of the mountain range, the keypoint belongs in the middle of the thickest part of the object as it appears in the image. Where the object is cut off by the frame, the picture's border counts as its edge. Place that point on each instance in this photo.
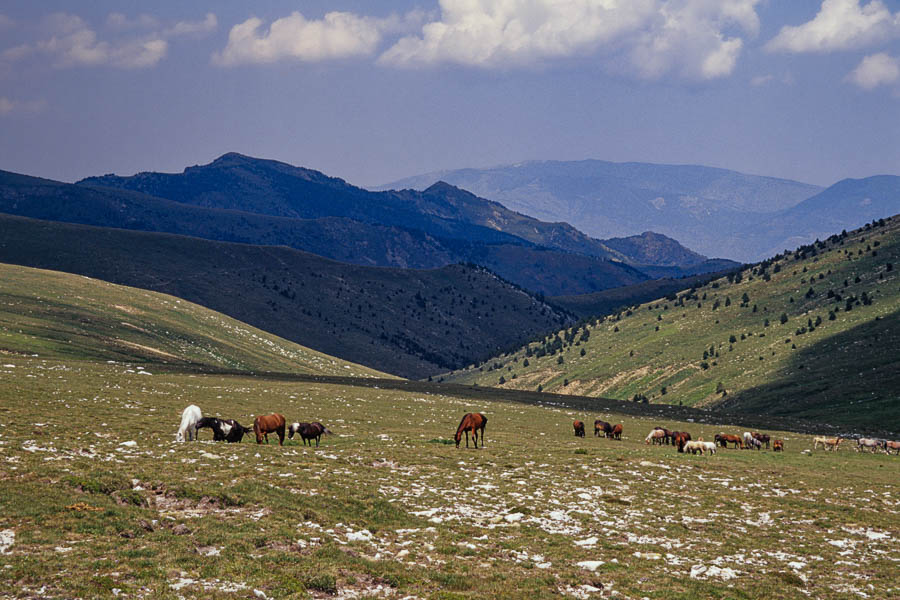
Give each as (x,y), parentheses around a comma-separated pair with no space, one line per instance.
(716,212)
(242,199)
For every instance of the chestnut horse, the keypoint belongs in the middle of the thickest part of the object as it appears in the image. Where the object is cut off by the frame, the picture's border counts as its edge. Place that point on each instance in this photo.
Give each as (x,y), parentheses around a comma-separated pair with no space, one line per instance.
(579,429)
(889,445)
(778,446)
(266,424)
(657,436)
(471,422)
(616,433)
(680,438)
(600,425)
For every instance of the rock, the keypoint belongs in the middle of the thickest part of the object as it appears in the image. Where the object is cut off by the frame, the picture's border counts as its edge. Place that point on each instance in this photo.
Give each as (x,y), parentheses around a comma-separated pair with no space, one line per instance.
(181,529)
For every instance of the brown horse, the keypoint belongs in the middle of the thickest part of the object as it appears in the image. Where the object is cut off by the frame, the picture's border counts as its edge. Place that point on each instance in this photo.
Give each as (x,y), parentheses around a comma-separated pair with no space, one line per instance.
(616,433)
(889,446)
(778,446)
(266,424)
(471,422)
(680,438)
(657,436)
(723,439)
(600,425)
(579,429)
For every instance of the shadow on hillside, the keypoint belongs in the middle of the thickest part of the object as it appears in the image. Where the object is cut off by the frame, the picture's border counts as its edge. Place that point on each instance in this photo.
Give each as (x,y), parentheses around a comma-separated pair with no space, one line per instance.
(851,379)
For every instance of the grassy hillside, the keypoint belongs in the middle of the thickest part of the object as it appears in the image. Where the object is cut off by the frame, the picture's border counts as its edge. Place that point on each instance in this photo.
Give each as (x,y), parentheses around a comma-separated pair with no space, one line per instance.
(55,315)
(406,322)
(812,333)
(100,502)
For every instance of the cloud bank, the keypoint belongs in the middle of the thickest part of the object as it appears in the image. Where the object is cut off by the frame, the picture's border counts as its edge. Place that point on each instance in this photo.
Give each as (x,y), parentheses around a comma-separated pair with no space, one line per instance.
(649,39)
(645,38)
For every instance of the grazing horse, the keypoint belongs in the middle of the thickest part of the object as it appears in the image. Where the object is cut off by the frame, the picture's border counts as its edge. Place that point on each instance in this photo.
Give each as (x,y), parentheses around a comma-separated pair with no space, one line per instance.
(762,437)
(471,422)
(616,433)
(700,446)
(237,431)
(778,446)
(189,418)
(308,432)
(579,428)
(668,433)
(213,423)
(868,443)
(827,443)
(656,436)
(266,424)
(753,443)
(723,439)
(889,445)
(603,426)
(680,438)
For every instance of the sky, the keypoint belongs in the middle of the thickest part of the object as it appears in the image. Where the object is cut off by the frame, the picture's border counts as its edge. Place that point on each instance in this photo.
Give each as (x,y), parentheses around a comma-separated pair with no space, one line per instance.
(374,91)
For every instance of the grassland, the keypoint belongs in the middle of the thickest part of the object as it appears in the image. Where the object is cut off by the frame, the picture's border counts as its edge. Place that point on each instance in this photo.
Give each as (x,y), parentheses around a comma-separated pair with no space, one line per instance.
(811,333)
(53,315)
(97,500)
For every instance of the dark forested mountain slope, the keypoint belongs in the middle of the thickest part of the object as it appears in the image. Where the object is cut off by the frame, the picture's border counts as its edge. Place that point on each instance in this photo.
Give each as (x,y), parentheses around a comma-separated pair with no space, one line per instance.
(407,322)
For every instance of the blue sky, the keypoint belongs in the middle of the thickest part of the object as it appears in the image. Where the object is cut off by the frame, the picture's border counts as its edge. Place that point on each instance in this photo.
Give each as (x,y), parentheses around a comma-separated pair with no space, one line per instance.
(375,91)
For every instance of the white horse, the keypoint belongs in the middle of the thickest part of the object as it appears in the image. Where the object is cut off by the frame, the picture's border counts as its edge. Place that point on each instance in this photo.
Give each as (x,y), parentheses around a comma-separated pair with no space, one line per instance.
(189,418)
(695,446)
(709,446)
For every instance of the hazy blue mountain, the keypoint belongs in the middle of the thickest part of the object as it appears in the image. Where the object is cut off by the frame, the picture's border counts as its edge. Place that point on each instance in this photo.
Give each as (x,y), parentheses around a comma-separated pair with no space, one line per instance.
(701,207)
(539,269)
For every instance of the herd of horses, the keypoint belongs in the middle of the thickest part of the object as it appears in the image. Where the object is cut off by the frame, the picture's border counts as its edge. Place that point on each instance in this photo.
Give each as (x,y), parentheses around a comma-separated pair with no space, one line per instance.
(683,442)
(229,430)
(862,444)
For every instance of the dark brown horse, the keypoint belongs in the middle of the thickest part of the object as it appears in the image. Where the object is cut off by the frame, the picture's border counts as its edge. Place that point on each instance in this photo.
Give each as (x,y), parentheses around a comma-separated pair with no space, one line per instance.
(616,432)
(762,437)
(579,428)
(266,424)
(224,430)
(680,438)
(600,425)
(308,432)
(471,422)
(723,439)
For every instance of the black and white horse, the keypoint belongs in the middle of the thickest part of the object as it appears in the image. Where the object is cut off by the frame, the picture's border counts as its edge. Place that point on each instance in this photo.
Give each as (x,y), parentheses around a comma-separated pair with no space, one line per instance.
(224,430)
(308,431)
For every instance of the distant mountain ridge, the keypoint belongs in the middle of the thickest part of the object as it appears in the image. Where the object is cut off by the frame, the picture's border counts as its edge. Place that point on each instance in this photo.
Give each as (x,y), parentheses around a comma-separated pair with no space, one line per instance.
(535,268)
(702,207)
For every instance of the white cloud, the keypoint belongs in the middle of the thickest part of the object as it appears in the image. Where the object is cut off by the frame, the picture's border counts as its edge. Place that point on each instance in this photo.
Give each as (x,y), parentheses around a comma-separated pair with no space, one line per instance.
(839,25)
(207,25)
(74,44)
(647,38)
(760,80)
(875,70)
(337,35)
(8,106)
